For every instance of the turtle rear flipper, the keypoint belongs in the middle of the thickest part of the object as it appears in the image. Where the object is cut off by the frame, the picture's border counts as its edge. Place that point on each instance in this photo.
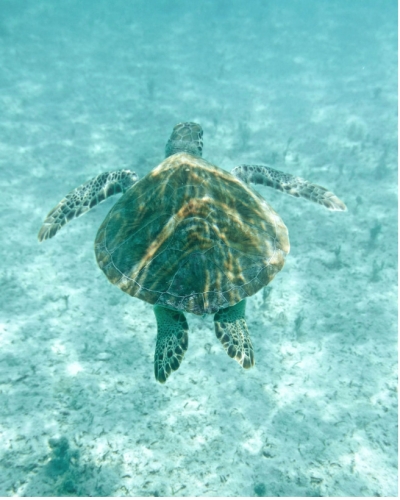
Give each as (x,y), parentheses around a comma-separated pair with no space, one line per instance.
(172,341)
(231,330)
(85,197)
(295,186)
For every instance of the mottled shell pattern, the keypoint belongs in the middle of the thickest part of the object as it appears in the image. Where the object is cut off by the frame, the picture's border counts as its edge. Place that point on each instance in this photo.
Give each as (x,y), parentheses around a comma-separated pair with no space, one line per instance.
(192,237)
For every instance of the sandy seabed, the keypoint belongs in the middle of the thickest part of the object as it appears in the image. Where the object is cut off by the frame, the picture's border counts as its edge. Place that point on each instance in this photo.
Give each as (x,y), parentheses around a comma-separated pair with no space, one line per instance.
(312,92)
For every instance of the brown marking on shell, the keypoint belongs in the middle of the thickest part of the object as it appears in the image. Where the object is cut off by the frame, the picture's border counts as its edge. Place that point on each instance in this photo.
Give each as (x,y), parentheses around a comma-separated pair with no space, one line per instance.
(191,236)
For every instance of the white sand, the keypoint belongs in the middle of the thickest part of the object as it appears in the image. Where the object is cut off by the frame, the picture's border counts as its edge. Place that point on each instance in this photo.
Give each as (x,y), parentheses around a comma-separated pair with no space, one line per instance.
(88,90)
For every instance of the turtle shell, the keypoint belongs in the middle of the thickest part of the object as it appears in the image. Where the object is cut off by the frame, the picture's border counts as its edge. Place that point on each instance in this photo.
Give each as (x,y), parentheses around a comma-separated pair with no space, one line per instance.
(191,237)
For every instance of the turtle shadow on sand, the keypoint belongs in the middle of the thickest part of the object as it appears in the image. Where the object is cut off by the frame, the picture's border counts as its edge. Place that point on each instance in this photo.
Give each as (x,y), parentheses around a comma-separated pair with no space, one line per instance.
(190,237)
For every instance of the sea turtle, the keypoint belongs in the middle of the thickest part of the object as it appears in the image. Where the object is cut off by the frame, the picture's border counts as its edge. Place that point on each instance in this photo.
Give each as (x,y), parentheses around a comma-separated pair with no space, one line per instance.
(190,237)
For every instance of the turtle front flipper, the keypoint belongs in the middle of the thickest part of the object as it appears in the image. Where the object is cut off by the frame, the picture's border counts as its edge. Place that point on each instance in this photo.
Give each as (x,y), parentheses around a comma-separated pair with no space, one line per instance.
(295,186)
(231,330)
(172,341)
(85,197)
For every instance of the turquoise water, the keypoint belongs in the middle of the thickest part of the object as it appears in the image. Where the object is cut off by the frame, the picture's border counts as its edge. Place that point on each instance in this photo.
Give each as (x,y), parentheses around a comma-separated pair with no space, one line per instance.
(309,88)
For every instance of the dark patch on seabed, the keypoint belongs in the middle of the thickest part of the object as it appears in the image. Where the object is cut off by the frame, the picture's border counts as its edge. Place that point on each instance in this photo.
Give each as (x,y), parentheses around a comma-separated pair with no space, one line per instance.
(309,88)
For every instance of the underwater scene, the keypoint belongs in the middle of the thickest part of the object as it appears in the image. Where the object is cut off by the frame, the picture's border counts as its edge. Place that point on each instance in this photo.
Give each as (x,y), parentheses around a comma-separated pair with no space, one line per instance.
(222,319)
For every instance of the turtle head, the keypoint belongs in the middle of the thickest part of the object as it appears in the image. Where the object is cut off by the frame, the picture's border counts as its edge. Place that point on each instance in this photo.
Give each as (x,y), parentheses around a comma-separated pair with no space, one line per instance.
(186,137)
